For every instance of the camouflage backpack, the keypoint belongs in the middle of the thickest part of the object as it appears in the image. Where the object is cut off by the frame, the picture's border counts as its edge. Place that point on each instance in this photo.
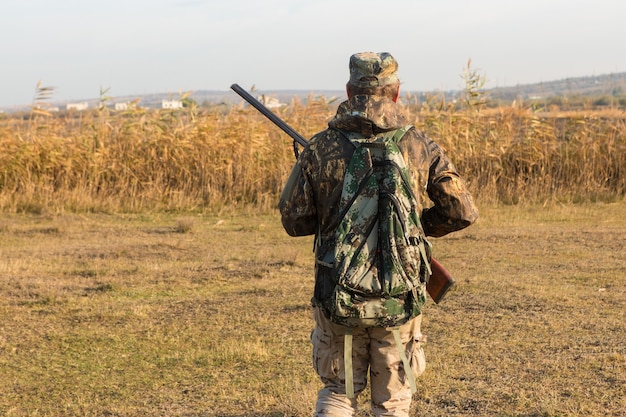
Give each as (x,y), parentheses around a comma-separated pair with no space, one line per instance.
(380,261)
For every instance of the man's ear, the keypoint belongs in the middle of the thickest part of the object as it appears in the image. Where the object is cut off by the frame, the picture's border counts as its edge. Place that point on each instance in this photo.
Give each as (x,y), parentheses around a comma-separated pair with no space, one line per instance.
(395,99)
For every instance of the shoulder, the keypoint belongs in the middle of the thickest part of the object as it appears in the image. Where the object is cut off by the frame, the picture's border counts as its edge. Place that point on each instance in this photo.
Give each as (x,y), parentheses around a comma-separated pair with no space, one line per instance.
(325,138)
(327,145)
(418,144)
(417,135)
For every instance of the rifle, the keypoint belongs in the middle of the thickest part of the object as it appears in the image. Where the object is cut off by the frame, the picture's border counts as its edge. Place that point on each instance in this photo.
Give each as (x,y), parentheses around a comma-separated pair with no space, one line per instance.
(440,280)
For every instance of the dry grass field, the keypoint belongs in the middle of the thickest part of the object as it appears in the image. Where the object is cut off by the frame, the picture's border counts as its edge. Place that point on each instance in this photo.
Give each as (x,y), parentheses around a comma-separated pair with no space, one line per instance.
(140,160)
(144,271)
(207,315)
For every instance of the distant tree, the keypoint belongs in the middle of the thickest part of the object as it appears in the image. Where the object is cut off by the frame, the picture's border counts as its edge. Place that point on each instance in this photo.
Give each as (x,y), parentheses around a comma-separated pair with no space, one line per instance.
(601,101)
(474,96)
(189,102)
(555,101)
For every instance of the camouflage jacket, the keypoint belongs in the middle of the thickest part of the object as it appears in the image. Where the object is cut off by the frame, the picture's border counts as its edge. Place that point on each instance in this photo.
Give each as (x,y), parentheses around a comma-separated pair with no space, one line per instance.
(310,200)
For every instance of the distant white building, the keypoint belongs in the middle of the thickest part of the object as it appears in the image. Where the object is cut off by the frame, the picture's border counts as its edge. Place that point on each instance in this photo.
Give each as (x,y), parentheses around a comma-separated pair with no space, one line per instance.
(171,104)
(77,106)
(270,102)
(121,106)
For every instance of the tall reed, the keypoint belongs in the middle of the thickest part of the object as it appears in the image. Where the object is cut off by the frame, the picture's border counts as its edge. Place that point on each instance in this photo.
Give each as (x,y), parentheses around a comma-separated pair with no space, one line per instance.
(512,155)
(230,158)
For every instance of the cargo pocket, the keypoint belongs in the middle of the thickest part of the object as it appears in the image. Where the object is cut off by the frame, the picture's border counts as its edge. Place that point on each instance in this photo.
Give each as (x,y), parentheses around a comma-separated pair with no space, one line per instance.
(418,359)
(326,357)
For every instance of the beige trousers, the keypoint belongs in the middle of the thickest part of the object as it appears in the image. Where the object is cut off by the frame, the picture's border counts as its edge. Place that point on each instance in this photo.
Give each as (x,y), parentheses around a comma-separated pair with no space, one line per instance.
(374,351)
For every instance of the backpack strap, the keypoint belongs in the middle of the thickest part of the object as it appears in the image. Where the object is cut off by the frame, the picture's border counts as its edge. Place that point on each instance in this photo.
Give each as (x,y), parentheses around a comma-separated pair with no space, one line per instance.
(396,135)
(421,245)
(405,361)
(347,363)
(401,132)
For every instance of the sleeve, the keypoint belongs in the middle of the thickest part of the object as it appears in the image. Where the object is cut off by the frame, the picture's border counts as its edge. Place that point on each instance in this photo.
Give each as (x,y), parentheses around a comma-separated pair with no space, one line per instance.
(453,206)
(297,204)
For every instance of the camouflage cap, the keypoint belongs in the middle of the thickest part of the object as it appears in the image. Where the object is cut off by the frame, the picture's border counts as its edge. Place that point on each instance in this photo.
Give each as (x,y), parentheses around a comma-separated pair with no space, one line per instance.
(372,69)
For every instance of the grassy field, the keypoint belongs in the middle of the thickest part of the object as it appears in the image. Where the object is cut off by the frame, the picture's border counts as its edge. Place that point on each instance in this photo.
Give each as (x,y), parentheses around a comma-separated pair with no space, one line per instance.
(121,296)
(208,315)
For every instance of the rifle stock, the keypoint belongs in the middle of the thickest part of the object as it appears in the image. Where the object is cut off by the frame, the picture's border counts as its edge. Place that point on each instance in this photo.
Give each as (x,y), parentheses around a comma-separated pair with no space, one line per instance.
(440,281)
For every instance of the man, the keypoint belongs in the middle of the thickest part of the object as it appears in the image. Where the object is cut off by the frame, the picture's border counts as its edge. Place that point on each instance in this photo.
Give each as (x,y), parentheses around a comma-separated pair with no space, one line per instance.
(309,206)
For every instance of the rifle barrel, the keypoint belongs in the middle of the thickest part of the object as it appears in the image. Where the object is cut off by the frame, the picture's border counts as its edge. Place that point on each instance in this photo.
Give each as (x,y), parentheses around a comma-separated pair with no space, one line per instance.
(267,113)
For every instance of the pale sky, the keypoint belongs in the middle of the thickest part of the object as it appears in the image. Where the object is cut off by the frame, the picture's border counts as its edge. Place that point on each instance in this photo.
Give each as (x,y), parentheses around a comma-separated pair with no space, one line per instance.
(136,47)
